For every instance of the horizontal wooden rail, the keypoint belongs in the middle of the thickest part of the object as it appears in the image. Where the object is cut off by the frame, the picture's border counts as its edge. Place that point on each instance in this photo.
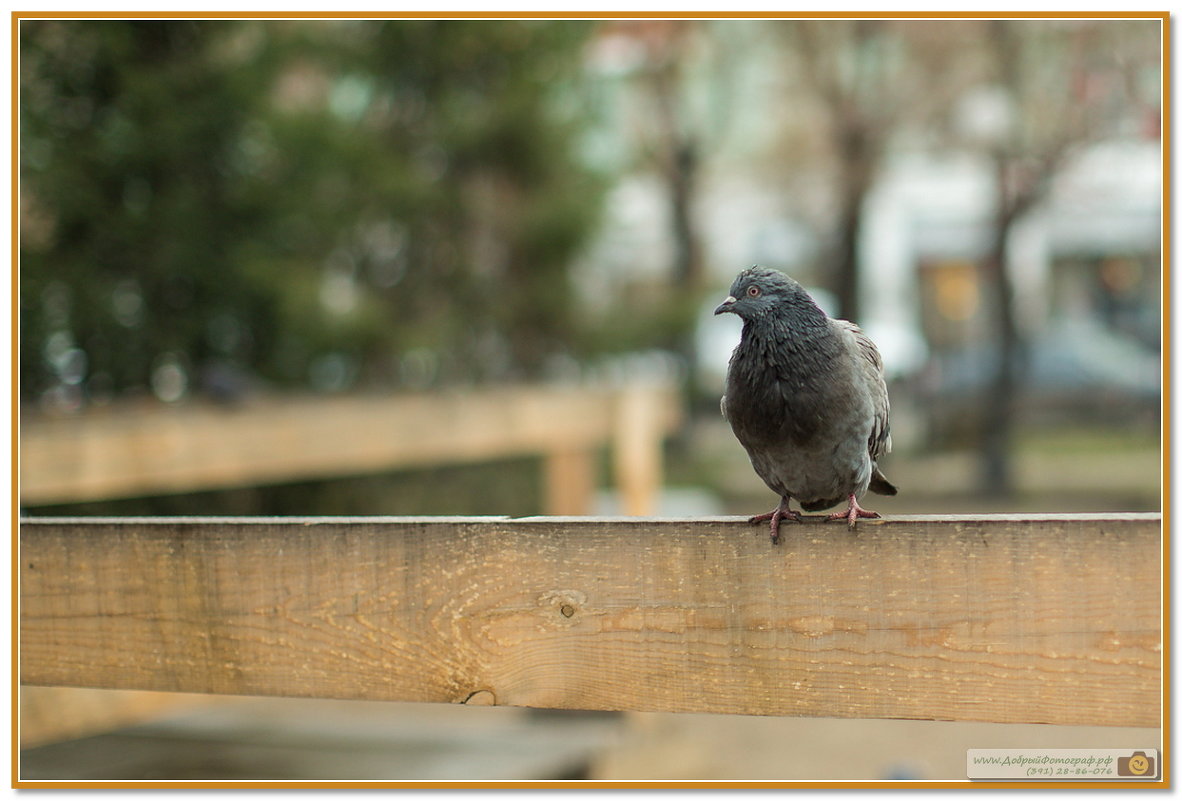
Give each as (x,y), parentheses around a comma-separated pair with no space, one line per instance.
(1051,619)
(160,449)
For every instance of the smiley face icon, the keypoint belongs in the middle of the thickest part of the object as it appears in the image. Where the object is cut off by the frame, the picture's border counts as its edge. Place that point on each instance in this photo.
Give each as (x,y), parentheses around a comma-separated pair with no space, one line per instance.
(1137,764)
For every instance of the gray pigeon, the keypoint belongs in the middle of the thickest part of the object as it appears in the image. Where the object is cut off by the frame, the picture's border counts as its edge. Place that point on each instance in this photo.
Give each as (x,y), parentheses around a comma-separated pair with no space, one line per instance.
(805,396)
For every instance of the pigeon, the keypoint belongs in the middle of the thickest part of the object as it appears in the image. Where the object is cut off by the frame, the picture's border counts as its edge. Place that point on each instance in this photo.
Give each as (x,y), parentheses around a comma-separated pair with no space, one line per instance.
(806,398)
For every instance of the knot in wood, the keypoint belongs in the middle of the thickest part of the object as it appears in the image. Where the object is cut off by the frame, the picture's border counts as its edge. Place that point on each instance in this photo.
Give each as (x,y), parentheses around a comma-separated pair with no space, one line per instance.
(566,602)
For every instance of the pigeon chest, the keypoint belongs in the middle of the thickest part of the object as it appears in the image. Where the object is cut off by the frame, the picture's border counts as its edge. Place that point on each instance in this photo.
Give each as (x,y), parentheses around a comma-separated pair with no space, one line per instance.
(803,422)
(799,401)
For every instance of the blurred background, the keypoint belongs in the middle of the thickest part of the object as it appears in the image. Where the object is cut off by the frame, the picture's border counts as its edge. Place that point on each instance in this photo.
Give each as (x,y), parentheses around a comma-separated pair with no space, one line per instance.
(302,226)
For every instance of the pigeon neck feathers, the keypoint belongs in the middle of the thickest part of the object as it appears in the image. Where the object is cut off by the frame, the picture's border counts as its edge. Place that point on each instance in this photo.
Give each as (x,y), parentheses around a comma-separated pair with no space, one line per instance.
(792,331)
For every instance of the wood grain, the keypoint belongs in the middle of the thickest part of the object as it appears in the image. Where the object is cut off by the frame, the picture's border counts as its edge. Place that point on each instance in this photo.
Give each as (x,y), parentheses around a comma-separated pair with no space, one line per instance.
(1048,619)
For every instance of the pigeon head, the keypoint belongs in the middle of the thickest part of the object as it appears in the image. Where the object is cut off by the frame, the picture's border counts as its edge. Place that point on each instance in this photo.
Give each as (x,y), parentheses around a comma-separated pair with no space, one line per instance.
(758,292)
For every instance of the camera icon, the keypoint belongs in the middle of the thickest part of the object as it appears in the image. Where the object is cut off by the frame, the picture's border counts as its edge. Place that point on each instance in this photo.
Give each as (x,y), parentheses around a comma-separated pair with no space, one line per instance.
(1136,764)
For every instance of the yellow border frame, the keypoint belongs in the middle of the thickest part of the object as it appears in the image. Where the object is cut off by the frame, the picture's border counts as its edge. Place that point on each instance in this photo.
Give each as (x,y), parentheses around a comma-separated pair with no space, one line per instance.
(1166,243)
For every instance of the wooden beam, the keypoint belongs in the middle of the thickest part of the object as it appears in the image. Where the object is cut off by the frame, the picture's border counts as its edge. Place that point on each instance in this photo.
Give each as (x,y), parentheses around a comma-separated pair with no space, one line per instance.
(162,449)
(53,714)
(570,481)
(1048,619)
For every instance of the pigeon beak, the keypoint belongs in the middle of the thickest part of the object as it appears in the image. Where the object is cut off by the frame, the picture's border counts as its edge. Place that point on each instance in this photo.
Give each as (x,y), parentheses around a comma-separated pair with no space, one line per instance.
(726,305)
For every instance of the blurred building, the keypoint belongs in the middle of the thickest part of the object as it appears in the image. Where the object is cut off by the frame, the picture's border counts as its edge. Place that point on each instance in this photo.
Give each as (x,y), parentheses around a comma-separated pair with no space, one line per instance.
(1086,268)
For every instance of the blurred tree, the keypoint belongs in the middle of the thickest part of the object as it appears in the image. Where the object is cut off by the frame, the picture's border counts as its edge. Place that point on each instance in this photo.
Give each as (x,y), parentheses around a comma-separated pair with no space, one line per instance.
(675,146)
(131,139)
(470,149)
(323,203)
(678,92)
(674,149)
(1050,90)
(869,78)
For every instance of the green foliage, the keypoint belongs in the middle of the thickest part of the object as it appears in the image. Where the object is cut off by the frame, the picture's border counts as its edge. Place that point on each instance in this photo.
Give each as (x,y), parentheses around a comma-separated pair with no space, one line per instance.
(274,194)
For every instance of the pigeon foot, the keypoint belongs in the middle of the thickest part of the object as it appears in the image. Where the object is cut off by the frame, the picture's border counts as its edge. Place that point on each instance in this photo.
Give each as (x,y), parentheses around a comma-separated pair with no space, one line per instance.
(775,516)
(852,513)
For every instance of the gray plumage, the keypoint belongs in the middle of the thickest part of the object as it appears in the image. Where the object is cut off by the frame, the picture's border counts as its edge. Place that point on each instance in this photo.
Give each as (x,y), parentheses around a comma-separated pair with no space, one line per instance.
(805,396)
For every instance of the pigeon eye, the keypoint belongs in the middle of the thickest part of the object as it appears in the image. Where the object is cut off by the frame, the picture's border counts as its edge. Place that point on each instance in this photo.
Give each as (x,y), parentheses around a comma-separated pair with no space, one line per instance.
(753,291)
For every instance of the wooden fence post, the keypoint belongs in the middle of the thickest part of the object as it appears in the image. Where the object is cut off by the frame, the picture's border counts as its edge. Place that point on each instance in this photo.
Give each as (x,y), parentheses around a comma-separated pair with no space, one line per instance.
(636,449)
(569,481)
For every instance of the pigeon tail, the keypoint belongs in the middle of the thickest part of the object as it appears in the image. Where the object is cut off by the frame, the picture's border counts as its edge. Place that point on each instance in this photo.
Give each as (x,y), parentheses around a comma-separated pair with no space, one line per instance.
(879,484)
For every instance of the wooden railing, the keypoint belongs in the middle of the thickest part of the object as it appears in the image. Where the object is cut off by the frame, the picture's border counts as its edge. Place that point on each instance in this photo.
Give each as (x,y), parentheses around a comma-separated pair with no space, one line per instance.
(1032,618)
(159,449)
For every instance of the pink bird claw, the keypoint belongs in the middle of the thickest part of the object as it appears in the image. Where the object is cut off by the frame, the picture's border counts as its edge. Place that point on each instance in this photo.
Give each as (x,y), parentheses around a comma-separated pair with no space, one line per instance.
(775,516)
(852,512)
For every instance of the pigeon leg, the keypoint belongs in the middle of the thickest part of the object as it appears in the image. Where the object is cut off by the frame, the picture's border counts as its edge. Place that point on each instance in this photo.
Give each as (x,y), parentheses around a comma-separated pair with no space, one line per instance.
(776,515)
(853,512)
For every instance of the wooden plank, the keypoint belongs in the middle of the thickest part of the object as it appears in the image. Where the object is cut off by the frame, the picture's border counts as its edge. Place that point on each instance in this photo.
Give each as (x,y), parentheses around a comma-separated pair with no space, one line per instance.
(252,738)
(1039,619)
(52,714)
(185,448)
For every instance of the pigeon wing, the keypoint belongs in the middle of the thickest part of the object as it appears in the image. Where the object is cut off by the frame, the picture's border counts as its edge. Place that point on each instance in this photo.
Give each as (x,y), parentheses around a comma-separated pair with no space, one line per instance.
(869,361)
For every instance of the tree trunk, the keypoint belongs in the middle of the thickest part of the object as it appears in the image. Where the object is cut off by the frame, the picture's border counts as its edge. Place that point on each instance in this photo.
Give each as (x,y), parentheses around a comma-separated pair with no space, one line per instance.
(857,166)
(678,162)
(847,286)
(1000,400)
(687,261)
